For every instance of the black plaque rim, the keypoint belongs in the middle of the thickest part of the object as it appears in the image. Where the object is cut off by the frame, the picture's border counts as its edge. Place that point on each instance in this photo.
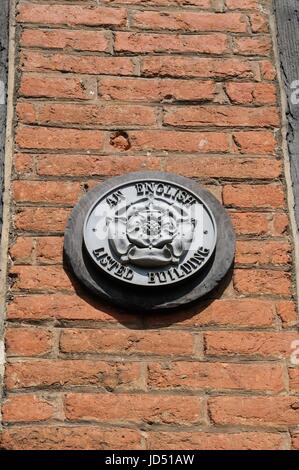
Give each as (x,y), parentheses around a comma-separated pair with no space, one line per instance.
(148,298)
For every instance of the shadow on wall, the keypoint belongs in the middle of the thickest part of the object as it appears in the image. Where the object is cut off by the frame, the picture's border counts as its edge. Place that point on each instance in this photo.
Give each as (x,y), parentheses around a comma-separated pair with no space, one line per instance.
(142,320)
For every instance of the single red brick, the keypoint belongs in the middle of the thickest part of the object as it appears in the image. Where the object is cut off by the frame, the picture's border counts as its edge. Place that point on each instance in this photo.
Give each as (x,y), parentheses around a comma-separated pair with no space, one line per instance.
(294,373)
(245,5)
(24,164)
(162,343)
(144,89)
(191,21)
(28,341)
(49,250)
(25,408)
(223,167)
(254,411)
(259,224)
(60,373)
(255,344)
(260,45)
(71,15)
(198,67)
(216,43)
(261,281)
(40,278)
(216,376)
(87,115)
(150,409)
(34,61)
(259,23)
(295,441)
(69,438)
(263,252)
(255,142)
(258,196)
(286,310)
(205,4)
(46,86)
(41,219)
(82,165)
(78,40)
(221,116)
(222,313)
(49,138)
(251,93)
(268,70)
(216,441)
(22,250)
(53,192)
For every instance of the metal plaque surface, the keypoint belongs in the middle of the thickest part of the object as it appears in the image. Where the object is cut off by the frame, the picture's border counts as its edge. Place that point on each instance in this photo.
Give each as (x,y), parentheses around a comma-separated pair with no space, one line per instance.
(150,232)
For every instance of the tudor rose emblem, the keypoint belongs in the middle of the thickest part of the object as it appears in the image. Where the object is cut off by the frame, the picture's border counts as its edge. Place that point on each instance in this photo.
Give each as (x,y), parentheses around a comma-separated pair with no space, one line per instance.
(150,233)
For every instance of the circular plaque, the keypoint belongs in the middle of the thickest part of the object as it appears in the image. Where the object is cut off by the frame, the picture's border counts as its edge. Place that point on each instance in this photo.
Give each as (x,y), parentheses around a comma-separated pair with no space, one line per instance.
(133,239)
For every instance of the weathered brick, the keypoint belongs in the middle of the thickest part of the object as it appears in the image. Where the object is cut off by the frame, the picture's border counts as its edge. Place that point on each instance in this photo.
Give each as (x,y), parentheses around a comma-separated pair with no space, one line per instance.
(223,167)
(163,3)
(28,341)
(150,409)
(34,61)
(22,250)
(169,343)
(221,116)
(53,192)
(251,46)
(87,115)
(49,250)
(254,411)
(48,138)
(41,219)
(192,21)
(78,40)
(295,441)
(251,93)
(40,278)
(259,23)
(254,142)
(245,5)
(256,344)
(286,310)
(260,224)
(222,313)
(144,89)
(216,43)
(268,70)
(26,408)
(215,441)
(216,376)
(294,372)
(198,67)
(60,373)
(69,438)
(263,252)
(71,15)
(257,196)
(261,281)
(47,86)
(23,164)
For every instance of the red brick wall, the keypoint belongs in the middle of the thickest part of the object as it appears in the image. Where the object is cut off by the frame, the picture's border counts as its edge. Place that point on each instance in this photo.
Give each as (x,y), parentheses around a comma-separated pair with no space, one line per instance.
(112,86)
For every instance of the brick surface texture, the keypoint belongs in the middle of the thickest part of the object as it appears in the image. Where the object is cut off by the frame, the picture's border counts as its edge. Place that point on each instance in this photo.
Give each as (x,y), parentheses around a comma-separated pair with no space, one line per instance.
(112,86)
